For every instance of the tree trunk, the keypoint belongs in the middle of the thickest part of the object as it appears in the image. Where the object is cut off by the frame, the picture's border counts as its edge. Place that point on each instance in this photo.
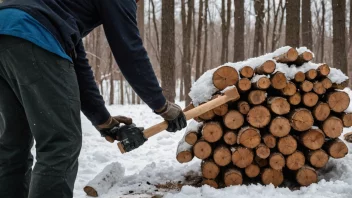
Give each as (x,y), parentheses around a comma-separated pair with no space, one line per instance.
(121,89)
(293,22)
(239,31)
(307,39)
(199,39)
(225,29)
(112,88)
(268,22)
(258,47)
(205,49)
(322,38)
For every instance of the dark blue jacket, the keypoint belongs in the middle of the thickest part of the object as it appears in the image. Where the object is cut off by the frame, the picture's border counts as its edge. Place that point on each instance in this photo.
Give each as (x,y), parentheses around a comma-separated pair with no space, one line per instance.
(71,20)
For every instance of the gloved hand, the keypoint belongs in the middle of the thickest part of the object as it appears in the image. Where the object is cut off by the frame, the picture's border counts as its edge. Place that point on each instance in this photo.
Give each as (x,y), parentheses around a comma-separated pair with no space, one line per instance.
(113,122)
(131,137)
(173,114)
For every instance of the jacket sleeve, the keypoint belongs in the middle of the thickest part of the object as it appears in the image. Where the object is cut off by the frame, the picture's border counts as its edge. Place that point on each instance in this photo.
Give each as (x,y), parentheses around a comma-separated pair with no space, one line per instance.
(120,25)
(92,103)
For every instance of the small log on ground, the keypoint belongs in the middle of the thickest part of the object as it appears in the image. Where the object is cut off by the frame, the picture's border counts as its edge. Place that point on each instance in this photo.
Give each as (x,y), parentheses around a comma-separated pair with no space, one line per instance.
(338,101)
(252,170)
(311,74)
(327,84)
(261,162)
(319,88)
(244,84)
(256,97)
(299,77)
(222,155)
(242,157)
(212,131)
(184,152)
(202,149)
(295,161)
(210,182)
(310,99)
(278,105)
(301,119)
(272,176)
(295,99)
(287,145)
(303,58)
(323,70)
(348,137)
(243,107)
(232,177)
(276,161)
(347,119)
(318,158)
(259,116)
(246,72)
(233,119)
(336,148)
(230,138)
(313,139)
(278,80)
(269,140)
(267,67)
(262,83)
(306,176)
(249,137)
(225,76)
(290,89)
(290,56)
(321,111)
(332,127)
(209,169)
(262,151)
(280,126)
(306,86)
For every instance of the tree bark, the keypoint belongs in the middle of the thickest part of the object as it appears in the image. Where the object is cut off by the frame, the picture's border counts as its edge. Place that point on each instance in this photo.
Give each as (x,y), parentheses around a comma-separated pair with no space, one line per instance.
(293,22)
(307,38)
(258,47)
(199,39)
(239,31)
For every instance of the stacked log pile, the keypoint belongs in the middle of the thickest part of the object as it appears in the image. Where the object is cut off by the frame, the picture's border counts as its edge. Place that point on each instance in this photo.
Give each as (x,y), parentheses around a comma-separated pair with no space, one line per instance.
(281,128)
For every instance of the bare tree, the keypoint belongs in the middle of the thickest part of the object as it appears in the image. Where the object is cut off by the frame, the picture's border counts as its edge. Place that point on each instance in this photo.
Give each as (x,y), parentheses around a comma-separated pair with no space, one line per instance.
(258,47)
(339,33)
(205,49)
(112,87)
(225,29)
(199,38)
(293,22)
(239,31)
(268,22)
(322,36)
(307,38)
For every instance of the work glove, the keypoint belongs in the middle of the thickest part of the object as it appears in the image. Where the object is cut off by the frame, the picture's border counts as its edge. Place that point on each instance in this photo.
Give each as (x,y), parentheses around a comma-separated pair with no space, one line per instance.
(174,116)
(113,122)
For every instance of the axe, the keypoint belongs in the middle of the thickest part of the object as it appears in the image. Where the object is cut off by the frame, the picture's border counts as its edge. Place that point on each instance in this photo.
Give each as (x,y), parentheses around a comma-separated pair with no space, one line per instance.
(229,95)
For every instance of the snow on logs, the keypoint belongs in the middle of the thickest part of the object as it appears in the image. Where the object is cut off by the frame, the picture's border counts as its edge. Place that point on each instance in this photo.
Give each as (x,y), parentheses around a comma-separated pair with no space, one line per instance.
(286,124)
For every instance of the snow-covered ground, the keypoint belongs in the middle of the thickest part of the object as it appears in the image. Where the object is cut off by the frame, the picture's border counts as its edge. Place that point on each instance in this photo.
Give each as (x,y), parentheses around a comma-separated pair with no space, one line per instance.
(155,163)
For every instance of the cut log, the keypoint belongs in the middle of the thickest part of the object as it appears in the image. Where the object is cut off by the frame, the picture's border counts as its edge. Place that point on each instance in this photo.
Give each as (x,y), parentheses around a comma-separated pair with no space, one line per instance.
(221,110)
(301,119)
(295,161)
(321,111)
(348,137)
(323,70)
(313,139)
(252,170)
(332,127)
(209,169)
(347,119)
(342,85)
(249,137)
(276,161)
(290,89)
(246,72)
(311,74)
(191,137)
(256,97)
(207,115)
(336,148)
(243,107)
(290,56)
(232,177)
(319,88)
(303,58)
(225,76)
(244,84)
(210,182)
(261,162)
(222,155)
(230,138)
(310,99)
(318,158)
(267,67)
(278,80)
(271,176)
(306,86)
(262,151)
(184,152)
(269,140)
(262,83)
(278,105)
(299,77)
(233,119)
(287,145)
(338,101)
(202,149)
(192,132)
(306,175)
(259,116)
(212,131)
(242,157)
(295,99)
(280,126)
(327,84)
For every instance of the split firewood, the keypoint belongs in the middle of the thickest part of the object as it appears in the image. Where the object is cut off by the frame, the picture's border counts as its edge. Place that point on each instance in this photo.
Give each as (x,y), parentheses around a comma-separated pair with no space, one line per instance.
(233,119)
(222,155)
(267,67)
(306,86)
(318,158)
(269,140)
(295,99)
(327,84)
(301,119)
(299,77)
(232,176)
(212,131)
(256,97)
(323,70)
(295,161)
(249,137)
(280,126)
(347,119)
(278,80)
(259,116)
(306,176)
(262,151)
(246,72)
(230,138)
(252,170)
(202,149)
(278,105)
(209,169)
(336,148)
(225,76)
(290,89)
(243,107)
(276,161)
(321,111)
(289,57)
(272,176)
(332,127)
(287,145)
(311,74)
(210,182)
(312,139)
(303,58)
(242,157)
(262,83)
(310,99)
(338,101)
(243,85)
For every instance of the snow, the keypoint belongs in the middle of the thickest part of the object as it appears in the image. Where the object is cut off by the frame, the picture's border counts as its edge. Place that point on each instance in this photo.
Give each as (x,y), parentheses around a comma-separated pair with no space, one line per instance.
(155,163)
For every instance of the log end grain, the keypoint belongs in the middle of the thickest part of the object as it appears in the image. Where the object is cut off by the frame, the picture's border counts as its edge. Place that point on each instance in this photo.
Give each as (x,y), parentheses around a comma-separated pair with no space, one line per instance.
(271,176)
(222,156)
(276,161)
(332,127)
(244,84)
(243,107)
(233,119)
(225,76)
(323,70)
(306,176)
(209,169)
(280,126)
(313,139)
(347,119)
(242,157)
(290,56)
(210,182)
(202,149)
(259,116)
(287,145)
(184,156)
(295,161)
(263,83)
(336,148)
(299,77)
(221,110)
(256,97)
(338,101)
(191,138)
(230,138)
(327,84)
(295,99)
(319,88)
(262,151)
(301,119)
(249,137)
(290,89)
(232,177)
(267,67)
(318,158)
(279,105)
(278,80)
(321,111)
(269,140)
(212,131)
(310,99)
(252,170)
(246,72)
(306,86)
(311,74)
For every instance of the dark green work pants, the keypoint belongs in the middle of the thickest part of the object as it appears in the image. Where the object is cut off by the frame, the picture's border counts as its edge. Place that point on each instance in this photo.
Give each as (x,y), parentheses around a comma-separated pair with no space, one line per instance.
(39,98)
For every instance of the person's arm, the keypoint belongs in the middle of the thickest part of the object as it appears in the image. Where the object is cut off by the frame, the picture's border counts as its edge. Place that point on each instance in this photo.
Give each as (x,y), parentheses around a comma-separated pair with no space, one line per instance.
(92,103)
(120,25)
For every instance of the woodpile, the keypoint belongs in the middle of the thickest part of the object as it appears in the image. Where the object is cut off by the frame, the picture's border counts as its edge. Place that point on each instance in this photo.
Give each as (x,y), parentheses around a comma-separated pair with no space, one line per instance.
(280,129)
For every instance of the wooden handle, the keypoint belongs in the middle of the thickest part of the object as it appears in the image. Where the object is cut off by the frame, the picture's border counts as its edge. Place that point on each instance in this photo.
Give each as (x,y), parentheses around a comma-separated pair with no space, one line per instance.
(231,94)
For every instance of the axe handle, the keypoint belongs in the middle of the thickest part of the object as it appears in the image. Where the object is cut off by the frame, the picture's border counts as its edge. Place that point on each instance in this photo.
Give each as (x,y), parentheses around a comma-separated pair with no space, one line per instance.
(231,94)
